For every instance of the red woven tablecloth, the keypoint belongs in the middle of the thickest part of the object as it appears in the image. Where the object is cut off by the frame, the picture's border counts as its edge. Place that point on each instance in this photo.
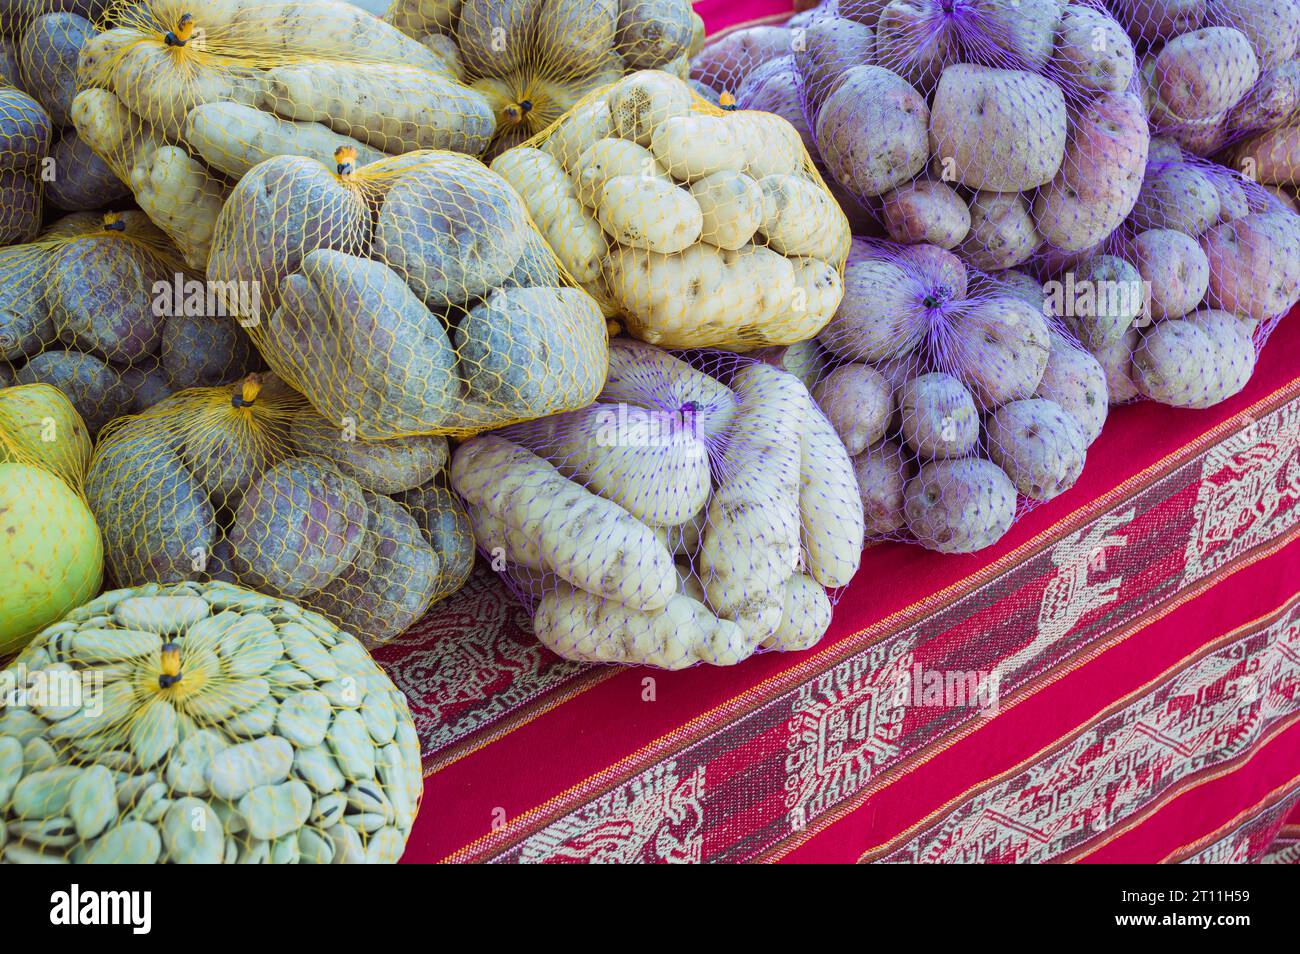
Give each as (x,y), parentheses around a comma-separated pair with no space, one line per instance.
(1144,628)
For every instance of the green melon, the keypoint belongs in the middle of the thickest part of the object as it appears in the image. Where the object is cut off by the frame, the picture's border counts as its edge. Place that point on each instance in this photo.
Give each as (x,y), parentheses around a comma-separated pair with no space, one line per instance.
(50,550)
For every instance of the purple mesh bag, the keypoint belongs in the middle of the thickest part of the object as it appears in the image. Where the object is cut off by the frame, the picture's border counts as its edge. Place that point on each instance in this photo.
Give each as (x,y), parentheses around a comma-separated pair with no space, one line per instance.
(698,512)
(1179,301)
(994,127)
(960,400)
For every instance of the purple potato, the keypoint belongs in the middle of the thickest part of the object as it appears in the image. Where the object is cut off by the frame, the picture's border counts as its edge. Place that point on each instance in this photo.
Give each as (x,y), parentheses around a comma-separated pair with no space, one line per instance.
(204,352)
(25,130)
(385,467)
(103,298)
(156,521)
(82,181)
(47,56)
(447,527)
(96,389)
(298,526)
(20,206)
(148,384)
(392,581)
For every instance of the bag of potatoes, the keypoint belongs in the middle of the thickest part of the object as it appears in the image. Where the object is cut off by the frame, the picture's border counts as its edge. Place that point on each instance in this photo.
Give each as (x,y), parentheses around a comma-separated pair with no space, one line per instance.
(695,225)
(248,484)
(102,307)
(182,99)
(960,402)
(408,296)
(1215,262)
(49,543)
(534,59)
(697,512)
(201,723)
(999,129)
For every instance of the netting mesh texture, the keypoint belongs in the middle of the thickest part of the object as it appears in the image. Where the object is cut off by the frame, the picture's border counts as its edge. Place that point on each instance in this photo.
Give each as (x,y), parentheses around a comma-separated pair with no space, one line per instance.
(182,98)
(101,307)
(1178,302)
(695,225)
(25,135)
(248,484)
(43,41)
(1013,129)
(201,724)
(698,512)
(535,59)
(49,542)
(409,296)
(960,401)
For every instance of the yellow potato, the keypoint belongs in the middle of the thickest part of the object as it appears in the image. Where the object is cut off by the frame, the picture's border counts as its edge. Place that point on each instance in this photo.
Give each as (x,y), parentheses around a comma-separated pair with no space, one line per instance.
(640,102)
(669,299)
(771,145)
(605,159)
(148,81)
(103,123)
(232,138)
(572,233)
(799,218)
(732,204)
(648,212)
(393,108)
(578,131)
(179,195)
(695,146)
(325,28)
(760,287)
(818,291)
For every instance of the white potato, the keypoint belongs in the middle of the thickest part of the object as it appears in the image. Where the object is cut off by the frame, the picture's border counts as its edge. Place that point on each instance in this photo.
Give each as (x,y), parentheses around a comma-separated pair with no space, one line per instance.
(830,506)
(805,617)
(751,544)
(585,539)
(649,212)
(799,218)
(606,158)
(580,625)
(732,205)
(697,145)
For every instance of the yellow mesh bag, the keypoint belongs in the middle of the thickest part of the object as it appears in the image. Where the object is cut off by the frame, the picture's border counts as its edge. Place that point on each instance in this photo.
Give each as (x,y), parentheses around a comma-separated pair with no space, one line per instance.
(247,484)
(698,226)
(101,307)
(409,296)
(202,724)
(182,97)
(49,543)
(534,59)
(25,133)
